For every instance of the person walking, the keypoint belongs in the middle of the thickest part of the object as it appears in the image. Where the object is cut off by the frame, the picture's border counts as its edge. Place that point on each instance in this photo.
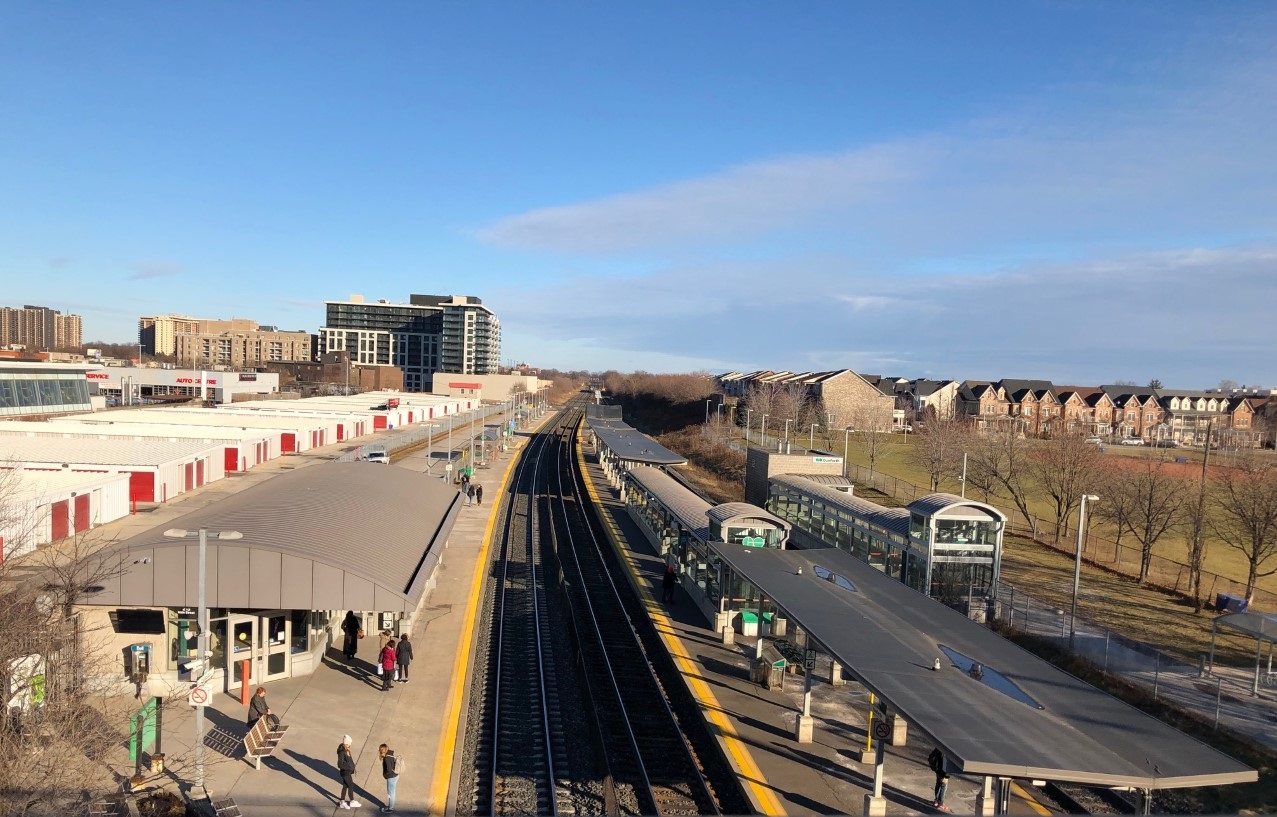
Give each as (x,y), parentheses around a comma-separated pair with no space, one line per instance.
(346,768)
(258,708)
(936,761)
(383,638)
(353,629)
(668,582)
(478,494)
(469,493)
(465,483)
(390,768)
(403,655)
(388,665)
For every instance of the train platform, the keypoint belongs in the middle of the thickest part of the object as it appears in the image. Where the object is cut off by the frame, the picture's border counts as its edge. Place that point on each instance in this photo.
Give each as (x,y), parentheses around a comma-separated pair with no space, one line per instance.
(418,719)
(756,727)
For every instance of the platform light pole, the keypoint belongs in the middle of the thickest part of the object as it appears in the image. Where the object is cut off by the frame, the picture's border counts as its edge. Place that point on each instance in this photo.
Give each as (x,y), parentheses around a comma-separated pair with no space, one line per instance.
(1077,563)
(707,403)
(201,644)
(787,422)
(762,436)
(846,449)
(811,437)
(747,413)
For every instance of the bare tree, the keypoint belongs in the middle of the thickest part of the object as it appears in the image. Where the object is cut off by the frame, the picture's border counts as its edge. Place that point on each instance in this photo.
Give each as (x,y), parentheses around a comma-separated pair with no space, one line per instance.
(1064,468)
(938,447)
(1115,505)
(1245,515)
(1155,499)
(1001,458)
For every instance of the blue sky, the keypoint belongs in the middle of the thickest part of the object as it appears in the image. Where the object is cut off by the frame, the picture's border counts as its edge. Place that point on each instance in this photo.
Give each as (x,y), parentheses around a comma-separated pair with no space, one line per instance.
(1078,191)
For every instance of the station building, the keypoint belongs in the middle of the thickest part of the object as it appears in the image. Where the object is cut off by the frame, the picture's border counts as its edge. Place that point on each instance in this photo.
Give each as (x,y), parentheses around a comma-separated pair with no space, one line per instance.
(284,562)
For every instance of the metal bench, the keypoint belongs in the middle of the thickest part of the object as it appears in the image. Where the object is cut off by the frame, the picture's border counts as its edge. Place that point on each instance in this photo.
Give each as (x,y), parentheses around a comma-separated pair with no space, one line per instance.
(262,740)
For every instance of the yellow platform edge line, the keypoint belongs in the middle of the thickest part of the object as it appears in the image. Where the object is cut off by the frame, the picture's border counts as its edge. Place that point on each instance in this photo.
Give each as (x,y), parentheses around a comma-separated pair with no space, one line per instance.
(1023,794)
(441,780)
(765,800)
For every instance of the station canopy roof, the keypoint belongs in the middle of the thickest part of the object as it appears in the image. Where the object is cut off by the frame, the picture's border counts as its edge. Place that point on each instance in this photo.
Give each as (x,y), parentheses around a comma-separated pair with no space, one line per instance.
(338,536)
(992,707)
(632,445)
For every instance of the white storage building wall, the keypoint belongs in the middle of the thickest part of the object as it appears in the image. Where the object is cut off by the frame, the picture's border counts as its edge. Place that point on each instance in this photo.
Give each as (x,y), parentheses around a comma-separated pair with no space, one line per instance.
(44,506)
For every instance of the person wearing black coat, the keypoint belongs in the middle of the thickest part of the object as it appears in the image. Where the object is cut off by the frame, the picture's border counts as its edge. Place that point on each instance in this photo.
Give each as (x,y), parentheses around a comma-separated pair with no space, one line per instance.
(351,625)
(346,768)
(403,656)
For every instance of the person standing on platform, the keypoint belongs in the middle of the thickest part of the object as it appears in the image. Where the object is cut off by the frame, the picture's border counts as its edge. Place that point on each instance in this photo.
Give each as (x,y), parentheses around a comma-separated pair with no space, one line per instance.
(388,660)
(478,494)
(353,630)
(390,768)
(936,761)
(465,483)
(668,582)
(346,768)
(403,654)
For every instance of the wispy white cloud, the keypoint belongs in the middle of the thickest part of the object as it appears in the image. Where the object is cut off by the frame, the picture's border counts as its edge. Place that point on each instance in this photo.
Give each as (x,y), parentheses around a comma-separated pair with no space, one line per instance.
(762,196)
(1113,316)
(155,269)
(1135,169)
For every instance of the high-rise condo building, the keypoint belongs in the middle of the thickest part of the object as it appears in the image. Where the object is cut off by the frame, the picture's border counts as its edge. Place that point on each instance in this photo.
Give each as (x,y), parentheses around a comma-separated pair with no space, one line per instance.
(39,328)
(430,333)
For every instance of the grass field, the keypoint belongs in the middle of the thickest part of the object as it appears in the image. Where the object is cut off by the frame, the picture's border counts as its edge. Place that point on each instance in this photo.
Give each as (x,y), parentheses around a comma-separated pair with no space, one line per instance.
(893,460)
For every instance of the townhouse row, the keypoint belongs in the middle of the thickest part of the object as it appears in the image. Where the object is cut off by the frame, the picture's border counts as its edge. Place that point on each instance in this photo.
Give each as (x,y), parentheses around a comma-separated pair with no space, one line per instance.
(1243,418)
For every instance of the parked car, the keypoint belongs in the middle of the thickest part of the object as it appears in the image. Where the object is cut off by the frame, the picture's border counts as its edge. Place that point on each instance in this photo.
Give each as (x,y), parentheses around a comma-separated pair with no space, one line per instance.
(906,428)
(1095,440)
(1165,444)
(378,456)
(1132,441)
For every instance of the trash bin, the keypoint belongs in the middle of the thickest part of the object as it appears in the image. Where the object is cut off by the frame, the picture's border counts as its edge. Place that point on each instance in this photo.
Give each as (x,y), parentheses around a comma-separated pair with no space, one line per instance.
(1226,603)
(769,671)
(157,763)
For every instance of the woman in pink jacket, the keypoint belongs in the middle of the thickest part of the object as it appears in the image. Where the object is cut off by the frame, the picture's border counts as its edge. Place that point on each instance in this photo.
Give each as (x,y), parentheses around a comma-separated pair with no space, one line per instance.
(387,661)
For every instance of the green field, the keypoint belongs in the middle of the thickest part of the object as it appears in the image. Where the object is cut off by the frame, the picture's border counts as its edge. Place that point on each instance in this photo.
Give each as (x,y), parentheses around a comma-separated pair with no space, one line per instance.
(893,461)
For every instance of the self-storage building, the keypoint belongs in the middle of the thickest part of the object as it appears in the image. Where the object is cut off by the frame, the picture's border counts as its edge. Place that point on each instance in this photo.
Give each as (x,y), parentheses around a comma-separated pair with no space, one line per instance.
(158,469)
(45,506)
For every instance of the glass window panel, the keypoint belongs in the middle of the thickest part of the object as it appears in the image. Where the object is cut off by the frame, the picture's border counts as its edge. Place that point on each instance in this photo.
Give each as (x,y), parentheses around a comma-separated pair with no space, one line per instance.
(27,393)
(50,394)
(8,394)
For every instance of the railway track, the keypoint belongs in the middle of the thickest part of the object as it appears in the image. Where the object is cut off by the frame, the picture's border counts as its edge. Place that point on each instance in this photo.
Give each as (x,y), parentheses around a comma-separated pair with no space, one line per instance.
(559,659)
(646,747)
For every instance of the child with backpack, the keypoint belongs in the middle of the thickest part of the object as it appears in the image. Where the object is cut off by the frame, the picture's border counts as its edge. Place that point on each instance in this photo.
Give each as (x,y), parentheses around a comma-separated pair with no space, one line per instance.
(391,767)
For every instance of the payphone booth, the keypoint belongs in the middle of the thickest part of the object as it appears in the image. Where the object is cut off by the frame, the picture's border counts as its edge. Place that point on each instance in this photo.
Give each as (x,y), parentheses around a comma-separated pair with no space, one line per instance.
(137,663)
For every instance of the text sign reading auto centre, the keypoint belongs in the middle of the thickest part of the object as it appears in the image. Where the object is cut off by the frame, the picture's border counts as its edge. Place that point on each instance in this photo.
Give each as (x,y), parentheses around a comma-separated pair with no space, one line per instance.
(828,460)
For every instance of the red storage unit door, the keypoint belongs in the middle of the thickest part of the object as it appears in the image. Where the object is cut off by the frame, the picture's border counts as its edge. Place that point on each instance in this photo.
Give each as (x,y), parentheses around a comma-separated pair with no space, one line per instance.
(288,442)
(230,458)
(410,418)
(314,439)
(341,432)
(142,486)
(199,473)
(189,475)
(379,423)
(61,518)
(82,519)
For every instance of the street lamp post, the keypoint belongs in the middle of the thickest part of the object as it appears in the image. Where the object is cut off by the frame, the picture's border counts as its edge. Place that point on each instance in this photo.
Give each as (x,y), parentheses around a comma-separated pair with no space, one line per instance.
(846,449)
(707,402)
(1077,563)
(762,436)
(811,438)
(201,644)
(747,413)
(787,422)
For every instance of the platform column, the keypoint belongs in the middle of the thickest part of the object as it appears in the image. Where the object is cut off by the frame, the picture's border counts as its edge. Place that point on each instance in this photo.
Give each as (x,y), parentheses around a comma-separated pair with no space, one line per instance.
(779,625)
(835,674)
(984,802)
(804,727)
(875,803)
(899,729)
